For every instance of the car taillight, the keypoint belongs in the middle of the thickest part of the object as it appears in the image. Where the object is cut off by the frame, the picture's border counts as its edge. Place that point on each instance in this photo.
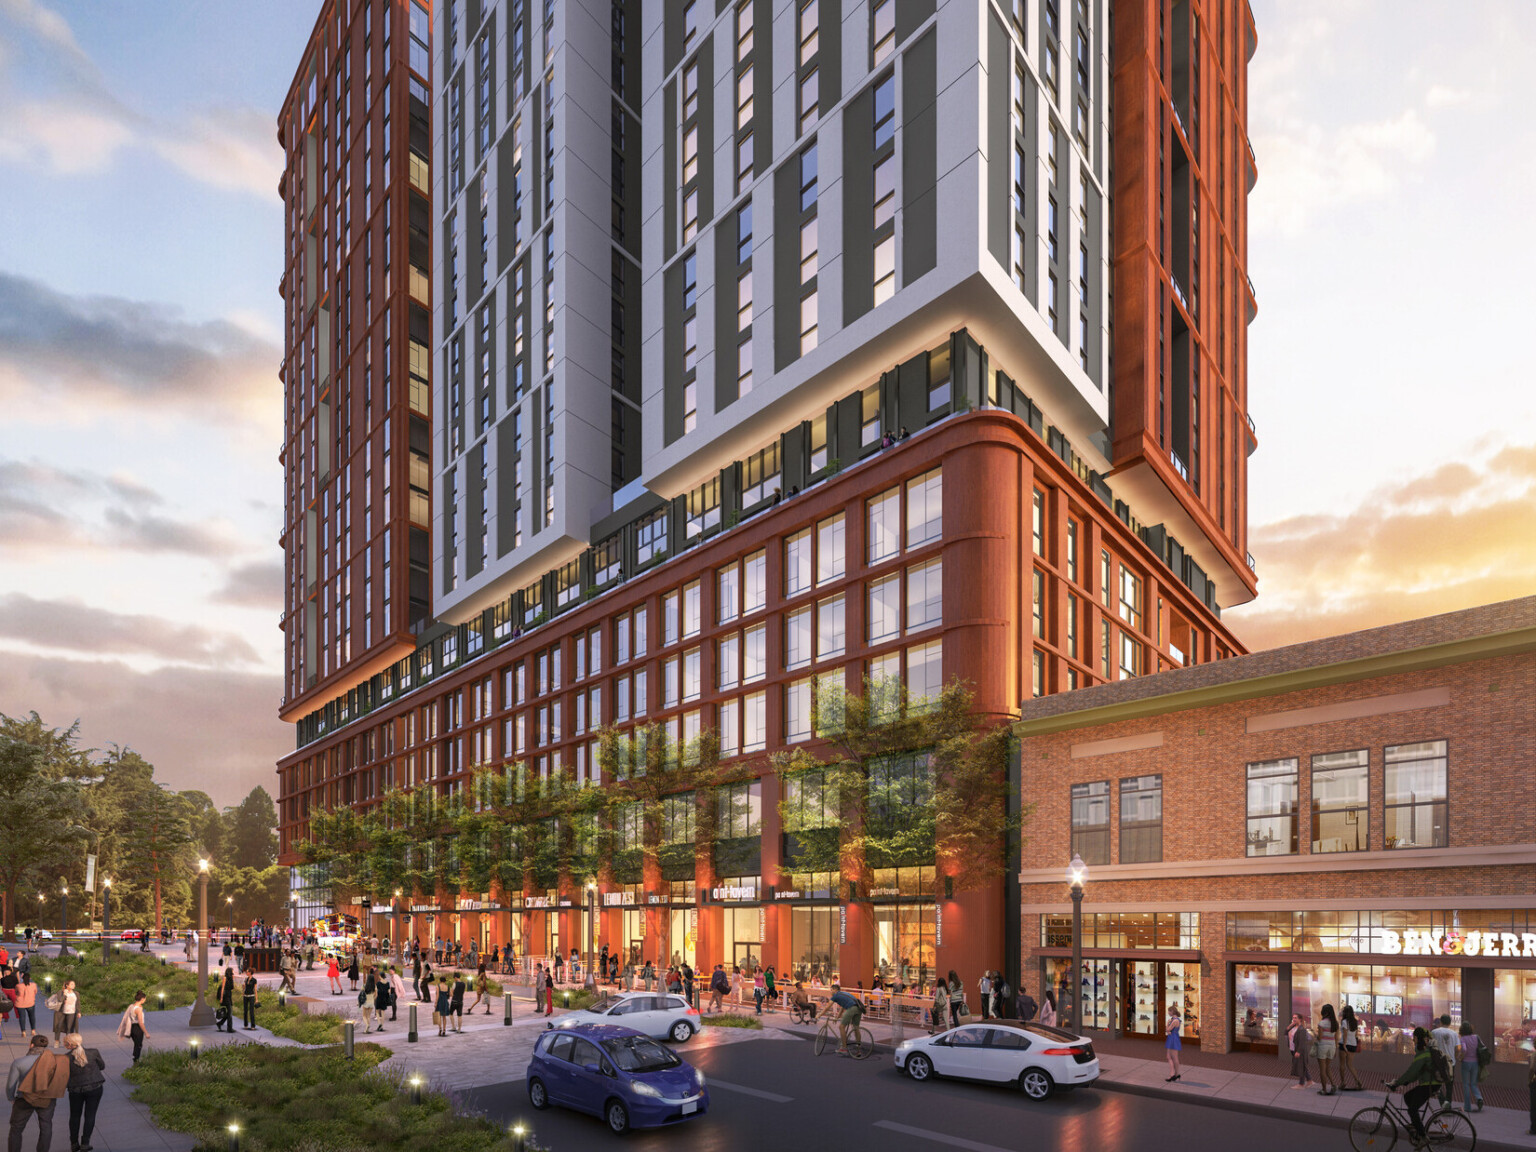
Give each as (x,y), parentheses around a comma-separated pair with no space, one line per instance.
(693,1011)
(1062,1052)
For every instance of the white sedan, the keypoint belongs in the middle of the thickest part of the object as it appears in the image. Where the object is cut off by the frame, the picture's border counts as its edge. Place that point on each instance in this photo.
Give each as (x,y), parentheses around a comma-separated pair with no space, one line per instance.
(658,1014)
(1036,1057)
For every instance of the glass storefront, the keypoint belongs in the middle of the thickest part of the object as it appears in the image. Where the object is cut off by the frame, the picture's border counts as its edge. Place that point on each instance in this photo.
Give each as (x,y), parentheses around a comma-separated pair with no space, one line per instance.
(684,929)
(1095,985)
(1514,1014)
(742,937)
(1388,1001)
(814,934)
(1256,1007)
(1435,932)
(905,942)
(632,935)
(1165,930)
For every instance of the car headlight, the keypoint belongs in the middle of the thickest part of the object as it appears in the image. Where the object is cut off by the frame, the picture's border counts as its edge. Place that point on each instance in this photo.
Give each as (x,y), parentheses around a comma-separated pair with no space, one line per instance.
(904,1045)
(641,1088)
(698,1077)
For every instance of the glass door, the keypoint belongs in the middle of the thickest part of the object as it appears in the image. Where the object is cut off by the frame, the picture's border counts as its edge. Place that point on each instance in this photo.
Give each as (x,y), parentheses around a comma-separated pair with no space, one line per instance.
(1182,991)
(1143,1006)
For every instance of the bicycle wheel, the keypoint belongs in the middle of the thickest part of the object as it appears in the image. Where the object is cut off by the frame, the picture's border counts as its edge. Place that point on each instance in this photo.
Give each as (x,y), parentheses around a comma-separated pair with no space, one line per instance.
(860,1043)
(1450,1128)
(821,1040)
(1372,1130)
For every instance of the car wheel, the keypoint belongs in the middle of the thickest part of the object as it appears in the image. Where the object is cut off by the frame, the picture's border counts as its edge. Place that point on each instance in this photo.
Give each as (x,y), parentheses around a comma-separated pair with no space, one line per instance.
(681,1031)
(538,1095)
(617,1116)
(1035,1083)
(919,1067)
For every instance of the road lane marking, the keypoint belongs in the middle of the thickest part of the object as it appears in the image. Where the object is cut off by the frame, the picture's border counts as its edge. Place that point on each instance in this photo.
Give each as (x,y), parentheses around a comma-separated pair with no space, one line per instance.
(729,1087)
(939,1137)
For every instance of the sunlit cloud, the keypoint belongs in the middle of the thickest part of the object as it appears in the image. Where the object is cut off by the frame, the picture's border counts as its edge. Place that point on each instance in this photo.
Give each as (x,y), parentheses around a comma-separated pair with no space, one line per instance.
(77,627)
(1455,537)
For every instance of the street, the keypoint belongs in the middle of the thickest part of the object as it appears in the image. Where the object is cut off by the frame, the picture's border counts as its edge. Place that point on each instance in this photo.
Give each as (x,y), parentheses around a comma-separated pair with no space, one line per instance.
(775,1095)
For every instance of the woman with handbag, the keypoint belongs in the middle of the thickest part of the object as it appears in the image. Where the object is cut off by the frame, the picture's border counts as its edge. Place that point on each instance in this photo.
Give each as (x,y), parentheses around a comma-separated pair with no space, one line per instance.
(1048,1008)
(66,1012)
(958,1010)
(938,1017)
(131,1026)
(1349,1044)
(440,1008)
(1471,1067)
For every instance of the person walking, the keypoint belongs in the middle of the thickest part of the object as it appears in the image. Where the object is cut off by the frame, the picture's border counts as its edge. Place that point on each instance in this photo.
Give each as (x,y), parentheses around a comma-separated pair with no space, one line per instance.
(1470,1049)
(1299,1039)
(352,974)
(367,1000)
(650,976)
(957,1006)
(85,1086)
(984,992)
(719,985)
(333,973)
(1327,1048)
(131,1026)
(482,988)
(688,981)
(441,1009)
(1048,1007)
(1027,1006)
(224,1019)
(1349,1044)
(426,981)
(770,981)
(37,1081)
(26,1006)
(1444,1038)
(248,1002)
(456,1001)
(759,989)
(66,1017)
(549,993)
(416,973)
(396,991)
(938,1015)
(1173,1044)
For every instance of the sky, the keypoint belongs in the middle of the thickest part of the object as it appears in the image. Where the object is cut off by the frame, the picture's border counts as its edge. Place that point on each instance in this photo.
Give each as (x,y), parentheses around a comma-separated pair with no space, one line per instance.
(140,339)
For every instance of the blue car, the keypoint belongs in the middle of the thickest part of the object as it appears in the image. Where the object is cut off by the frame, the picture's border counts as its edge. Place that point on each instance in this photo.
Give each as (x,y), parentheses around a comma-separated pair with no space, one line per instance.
(622,1075)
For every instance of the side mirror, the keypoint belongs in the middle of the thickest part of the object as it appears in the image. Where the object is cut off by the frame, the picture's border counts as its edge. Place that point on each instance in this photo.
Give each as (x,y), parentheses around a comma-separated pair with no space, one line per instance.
(592,1068)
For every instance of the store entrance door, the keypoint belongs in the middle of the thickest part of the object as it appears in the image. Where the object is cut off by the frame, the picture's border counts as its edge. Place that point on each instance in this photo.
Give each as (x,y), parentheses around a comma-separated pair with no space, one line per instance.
(1149,989)
(748,956)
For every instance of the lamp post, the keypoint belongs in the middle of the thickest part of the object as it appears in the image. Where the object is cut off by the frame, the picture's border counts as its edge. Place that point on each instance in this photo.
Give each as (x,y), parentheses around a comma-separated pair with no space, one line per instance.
(1077,872)
(229,915)
(202,1015)
(591,926)
(394,909)
(64,924)
(106,919)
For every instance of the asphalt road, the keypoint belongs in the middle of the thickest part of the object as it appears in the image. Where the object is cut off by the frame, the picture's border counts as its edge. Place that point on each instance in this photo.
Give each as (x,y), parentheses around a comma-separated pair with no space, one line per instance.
(778,1097)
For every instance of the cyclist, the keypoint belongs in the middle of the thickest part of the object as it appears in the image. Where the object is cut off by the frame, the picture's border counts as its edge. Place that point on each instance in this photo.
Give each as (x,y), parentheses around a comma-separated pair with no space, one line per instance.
(1424,1077)
(852,1013)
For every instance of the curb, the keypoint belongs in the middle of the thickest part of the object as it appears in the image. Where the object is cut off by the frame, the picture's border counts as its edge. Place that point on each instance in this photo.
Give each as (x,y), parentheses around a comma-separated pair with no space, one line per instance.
(1266,1110)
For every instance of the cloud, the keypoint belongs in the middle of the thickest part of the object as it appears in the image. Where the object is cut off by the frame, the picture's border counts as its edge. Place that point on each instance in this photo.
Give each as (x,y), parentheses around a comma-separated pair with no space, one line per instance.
(1440,96)
(211,729)
(233,148)
(85,352)
(67,136)
(44,23)
(77,627)
(46,508)
(1454,537)
(258,584)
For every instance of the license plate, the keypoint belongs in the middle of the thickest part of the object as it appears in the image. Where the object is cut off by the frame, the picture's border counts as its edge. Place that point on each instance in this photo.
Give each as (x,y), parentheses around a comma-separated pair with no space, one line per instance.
(690,1107)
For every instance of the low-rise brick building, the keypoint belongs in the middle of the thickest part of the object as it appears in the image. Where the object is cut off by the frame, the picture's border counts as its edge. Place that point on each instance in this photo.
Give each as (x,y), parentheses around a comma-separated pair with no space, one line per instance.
(1344,821)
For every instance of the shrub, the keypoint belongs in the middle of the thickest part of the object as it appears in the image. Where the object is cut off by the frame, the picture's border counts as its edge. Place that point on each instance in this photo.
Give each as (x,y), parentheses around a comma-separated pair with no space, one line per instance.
(731,1020)
(110,988)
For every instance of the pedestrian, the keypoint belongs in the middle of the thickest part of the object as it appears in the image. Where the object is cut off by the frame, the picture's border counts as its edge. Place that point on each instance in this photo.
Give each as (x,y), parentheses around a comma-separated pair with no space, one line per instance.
(482,990)
(1445,1039)
(549,993)
(29,939)
(396,991)
(26,1006)
(333,973)
(957,1005)
(367,1000)
(225,954)
(650,976)
(1173,1044)
(759,989)
(688,981)
(224,1018)
(85,1086)
(736,982)
(1299,1040)
(37,1081)
(352,974)
(248,1002)
(1327,1040)
(416,973)
(984,991)
(719,985)
(1027,1006)
(1471,1049)
(441,1009)
(603,961)
(426,981)
(131,1026)
(1349,1044)
(770,978)
(66,1016)
(1424,1077)
(456,1001)
(938,1016)
(1048,1008)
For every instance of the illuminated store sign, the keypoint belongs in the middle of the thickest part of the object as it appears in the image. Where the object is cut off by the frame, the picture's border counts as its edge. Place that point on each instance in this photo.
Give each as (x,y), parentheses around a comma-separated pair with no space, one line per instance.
(1412,942)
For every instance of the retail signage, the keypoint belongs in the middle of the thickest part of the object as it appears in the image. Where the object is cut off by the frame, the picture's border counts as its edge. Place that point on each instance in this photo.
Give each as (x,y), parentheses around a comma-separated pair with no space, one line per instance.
(938,924)
(1412,942)
(425,908)
(842,923)
(885,891)
(381,909)
(653,898)
(792,894)
(536,901)
(735,892)
(468,904)
(565,903)
(612,899)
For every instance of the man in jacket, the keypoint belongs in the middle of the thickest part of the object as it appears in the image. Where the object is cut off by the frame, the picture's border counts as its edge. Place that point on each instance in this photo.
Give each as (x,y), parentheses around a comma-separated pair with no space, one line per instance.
(37,1081)
(719,985)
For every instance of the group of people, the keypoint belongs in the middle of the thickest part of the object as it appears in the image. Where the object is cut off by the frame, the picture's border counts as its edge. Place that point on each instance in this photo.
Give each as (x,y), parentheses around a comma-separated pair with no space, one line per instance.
(40,1078)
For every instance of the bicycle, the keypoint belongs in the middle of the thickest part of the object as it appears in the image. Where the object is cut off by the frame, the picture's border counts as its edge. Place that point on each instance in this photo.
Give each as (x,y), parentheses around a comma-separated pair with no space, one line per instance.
(860,1042)
(1376,1129)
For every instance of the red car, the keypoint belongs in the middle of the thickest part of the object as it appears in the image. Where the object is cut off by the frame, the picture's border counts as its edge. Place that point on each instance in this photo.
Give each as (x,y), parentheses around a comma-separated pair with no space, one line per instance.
(132,934)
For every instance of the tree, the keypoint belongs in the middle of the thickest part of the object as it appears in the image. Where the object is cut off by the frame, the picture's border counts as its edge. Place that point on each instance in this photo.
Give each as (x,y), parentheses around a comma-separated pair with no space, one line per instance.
(249,831)
(258,893)
(160,849)
(42,815)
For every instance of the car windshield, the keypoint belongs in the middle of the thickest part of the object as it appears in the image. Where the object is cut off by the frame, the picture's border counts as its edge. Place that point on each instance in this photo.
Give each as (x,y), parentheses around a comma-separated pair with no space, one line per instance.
(605,1004)
(639,1054)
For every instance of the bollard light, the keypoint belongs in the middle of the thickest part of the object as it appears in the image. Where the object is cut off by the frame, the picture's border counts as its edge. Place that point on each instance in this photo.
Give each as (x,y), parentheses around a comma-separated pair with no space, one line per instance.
(348,1029)
(415,1089)
(161,995)
(234,1138)
(410,1035)
(192,1044)
(518,1134)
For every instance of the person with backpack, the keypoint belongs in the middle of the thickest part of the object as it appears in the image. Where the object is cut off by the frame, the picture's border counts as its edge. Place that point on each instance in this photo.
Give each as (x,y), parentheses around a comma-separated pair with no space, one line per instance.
(1425,1073)
(719,985)
(1473,1062)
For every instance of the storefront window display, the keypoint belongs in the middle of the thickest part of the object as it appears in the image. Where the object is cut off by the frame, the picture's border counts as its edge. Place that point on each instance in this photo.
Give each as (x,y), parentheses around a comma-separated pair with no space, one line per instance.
(1256,1006)
(1152,989)
(742,936)
(1096,988)
(684,924)
(1474,932)
(1514,1014)
(905,942)
(632,930)
(814,935)
(1388,1001)
(1166,930)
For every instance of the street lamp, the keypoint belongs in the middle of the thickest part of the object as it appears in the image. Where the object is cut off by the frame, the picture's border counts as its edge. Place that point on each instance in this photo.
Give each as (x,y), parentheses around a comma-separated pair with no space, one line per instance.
(202,1015)
(399,940)
(1077,872)
(64,925)
(106,919)
(591,925)
(229,910)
